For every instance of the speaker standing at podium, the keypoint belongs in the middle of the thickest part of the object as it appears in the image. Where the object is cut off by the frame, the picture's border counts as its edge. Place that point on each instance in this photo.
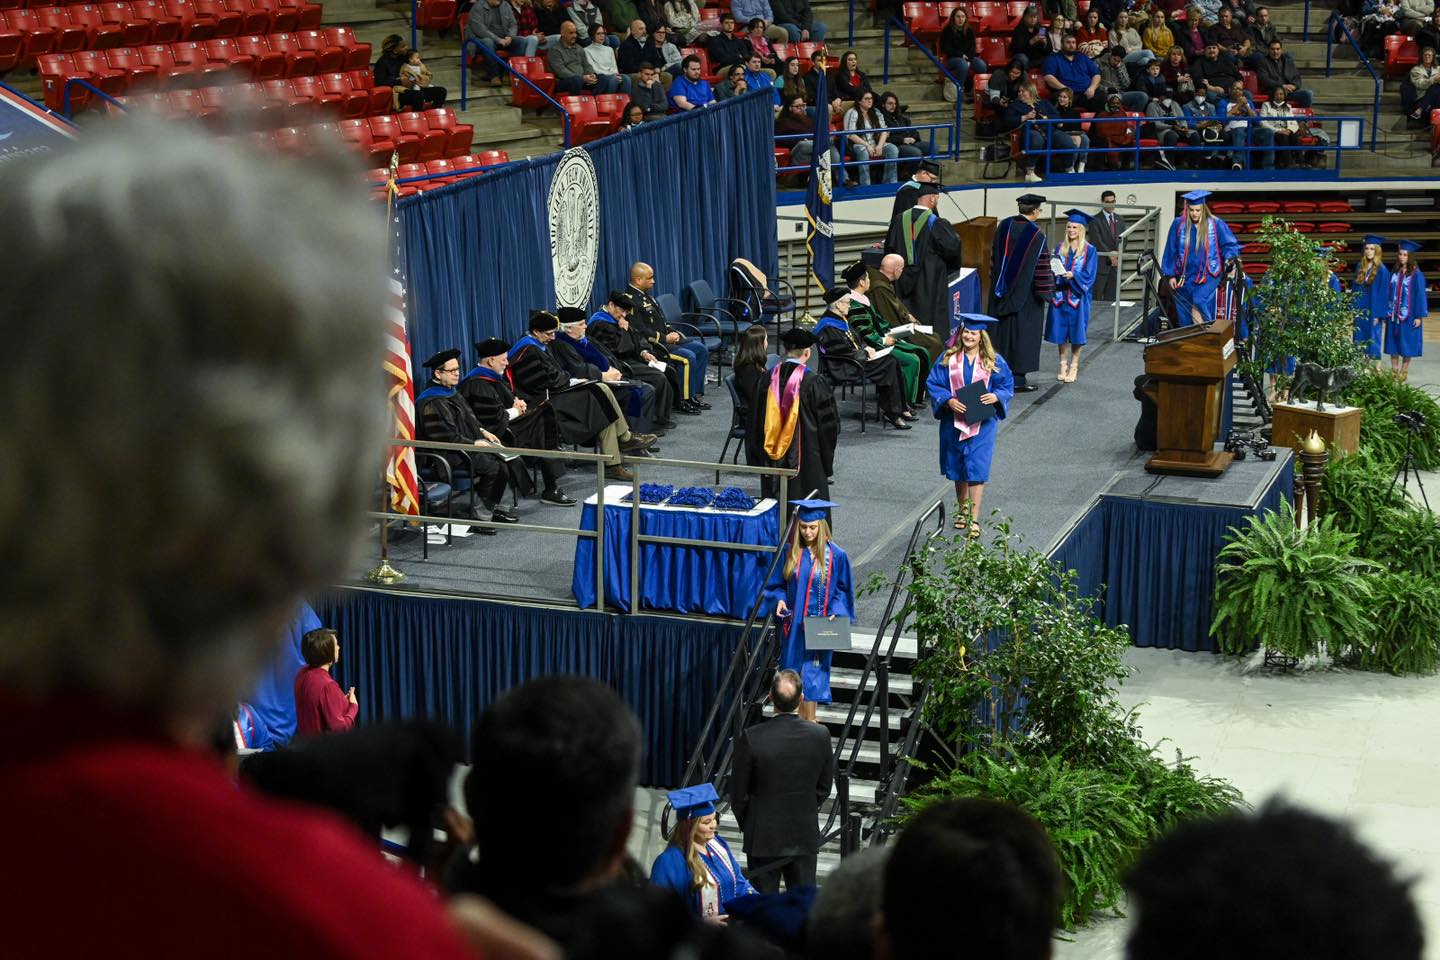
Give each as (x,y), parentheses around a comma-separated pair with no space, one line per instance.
(1196,249)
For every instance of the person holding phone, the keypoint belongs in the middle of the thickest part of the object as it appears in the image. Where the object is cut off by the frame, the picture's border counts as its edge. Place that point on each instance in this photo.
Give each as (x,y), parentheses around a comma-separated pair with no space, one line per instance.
(814,581)
(967,442)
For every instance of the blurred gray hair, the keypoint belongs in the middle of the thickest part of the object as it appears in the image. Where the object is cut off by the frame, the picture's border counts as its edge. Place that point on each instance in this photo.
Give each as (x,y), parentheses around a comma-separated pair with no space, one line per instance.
(841,925)
(193,409)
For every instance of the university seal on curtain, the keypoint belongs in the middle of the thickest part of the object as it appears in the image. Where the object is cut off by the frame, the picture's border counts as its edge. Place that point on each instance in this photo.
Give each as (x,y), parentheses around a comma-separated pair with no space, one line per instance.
(574,228)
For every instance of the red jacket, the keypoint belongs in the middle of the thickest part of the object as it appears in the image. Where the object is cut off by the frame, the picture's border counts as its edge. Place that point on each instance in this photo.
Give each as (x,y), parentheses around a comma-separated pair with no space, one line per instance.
(320,706)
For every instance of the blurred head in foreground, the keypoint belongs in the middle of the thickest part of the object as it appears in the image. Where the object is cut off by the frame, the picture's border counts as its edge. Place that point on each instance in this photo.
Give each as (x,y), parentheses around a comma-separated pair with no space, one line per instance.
(192,411)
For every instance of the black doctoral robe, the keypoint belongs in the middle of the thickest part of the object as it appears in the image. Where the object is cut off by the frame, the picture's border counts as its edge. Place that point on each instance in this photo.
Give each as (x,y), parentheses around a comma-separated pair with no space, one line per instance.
(490,399)
(931,249)
(751,382)
(580,412)
(585,360)
(837,340)
(624,348)
(445,417)
(905,198)
(1023,283)
(812,449)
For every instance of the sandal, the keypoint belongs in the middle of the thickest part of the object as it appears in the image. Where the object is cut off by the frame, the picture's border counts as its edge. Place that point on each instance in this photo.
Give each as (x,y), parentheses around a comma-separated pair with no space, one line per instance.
(974,533)
(959,520)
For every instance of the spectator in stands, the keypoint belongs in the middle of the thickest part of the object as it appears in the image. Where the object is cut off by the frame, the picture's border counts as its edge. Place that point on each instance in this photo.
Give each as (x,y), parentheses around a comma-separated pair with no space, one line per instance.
(841,924)
(1114,141)
(1068,9)
(995,852)
(443,416)
(1005,86)
(400,67)
(1064,109)
(1237,109)
(1283,129)
(1193,893)
(1429,35)
(683,16)
(600,63)
(1261,30)
(690,89)
(632,116)
(635,48)
(1150,81)
(868,139)
(492,22)
(759,46)
(1420,91)
(1060,28)
(1028,106)
(1203,115)
(726,49)
(648,93)
(791,82)
(1227,34)
(567,61)
(798,21)
(1123,35)
(1194,35)
(1378,21)
(1115,80)
(1029,41)
(1158,37)
(1215,72)
(665,54)
(907,142)
(850,81)
(1170,128)
(957,47)
(1414,14)
(1092,39)
(750,10)
(733,85)
(320,707)
(254,327)
(618,12)
(549,15)
(650,13)
(584,14)
(796,119)
(1069,68)
(818,68)
(1278,70)
(758,78)
(527,22)
(1176,69)
(1204,14)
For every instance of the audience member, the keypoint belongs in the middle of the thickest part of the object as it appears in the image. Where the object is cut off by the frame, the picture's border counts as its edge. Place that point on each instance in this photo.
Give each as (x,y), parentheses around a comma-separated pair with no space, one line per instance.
(1038,138)
(796,119)
(1238,110)
(1064,109)
(1169,128)
(600,64)
(957,47)
(1092,39)
(842,920)
(584,14)
(1068,68)
(1278,69)
(1326,896)
(635,49)
(1284,130)
(650,12)
(648,93)
(791,82)
(620,13)
(1005,86)
(1261,31)
(1227,34)
(759,45)
(683,16)
(819,68)
(549,15)
(320,707)
(567,61)
(907,142)
(1192,37)
(492,22)
(748,11)
(733,85)
(1215,73)
(246,365)
(499,410)
(1429,35)
(1029,41)
(1150,81)
(1115,80)
(850,80)
(1203,117)
(798,20)
(632,116)
(1114,135)
(690,90)
(727,48)
(1378,21)
(1123,35)
(996,853)
(669,55)
(686,351)
(1420,92)
(758,78)
(1176,69)
(527,22)
(1158,37)
(864,144)
(1414,14)
(444,417)
(782,773)
(400,67)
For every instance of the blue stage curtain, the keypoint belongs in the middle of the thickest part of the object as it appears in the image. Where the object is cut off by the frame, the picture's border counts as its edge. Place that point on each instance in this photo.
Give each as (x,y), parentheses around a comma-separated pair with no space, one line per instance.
(1083,551)
(448,659)
(687,194)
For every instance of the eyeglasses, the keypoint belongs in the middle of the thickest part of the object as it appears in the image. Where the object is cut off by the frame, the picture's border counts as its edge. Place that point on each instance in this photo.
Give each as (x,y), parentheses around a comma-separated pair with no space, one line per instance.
(449,369)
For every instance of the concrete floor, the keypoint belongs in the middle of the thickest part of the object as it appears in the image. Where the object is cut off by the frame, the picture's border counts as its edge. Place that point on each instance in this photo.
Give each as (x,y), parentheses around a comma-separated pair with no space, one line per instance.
(1348,744)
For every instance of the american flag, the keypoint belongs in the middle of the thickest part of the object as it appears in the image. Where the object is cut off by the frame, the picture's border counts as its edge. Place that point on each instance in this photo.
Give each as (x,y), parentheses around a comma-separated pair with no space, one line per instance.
(400,467)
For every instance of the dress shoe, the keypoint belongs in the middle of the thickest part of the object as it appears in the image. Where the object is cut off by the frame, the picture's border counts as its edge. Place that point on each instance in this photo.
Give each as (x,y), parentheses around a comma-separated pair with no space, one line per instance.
(503,516)
(700,403)
(666,424)
(637,441)
(619,473)
(899,423)
(557,498)
(910,415)
(688,409)
(1026,388)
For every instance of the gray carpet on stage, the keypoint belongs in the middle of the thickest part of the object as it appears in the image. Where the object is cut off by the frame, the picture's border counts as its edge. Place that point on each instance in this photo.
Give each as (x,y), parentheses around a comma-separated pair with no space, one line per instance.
(1056,450)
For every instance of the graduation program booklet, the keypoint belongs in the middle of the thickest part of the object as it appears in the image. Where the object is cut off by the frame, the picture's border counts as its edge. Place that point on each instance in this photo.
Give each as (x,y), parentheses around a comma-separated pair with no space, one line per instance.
(882,353)
(657,364)
(975,411)
(908,328)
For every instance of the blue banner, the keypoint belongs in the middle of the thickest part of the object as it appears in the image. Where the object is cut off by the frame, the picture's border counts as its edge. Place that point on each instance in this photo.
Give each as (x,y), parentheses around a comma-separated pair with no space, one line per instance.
(820,240)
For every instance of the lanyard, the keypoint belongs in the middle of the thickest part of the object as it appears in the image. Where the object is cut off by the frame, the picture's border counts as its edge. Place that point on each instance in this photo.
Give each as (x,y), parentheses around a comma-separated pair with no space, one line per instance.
(810,582)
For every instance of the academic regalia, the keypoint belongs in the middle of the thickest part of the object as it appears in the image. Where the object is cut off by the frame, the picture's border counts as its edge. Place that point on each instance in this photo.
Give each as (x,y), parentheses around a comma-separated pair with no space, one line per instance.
(835,339)
(580,412)
(931,249)
(967,460)
(443,416)
(867,325)
(1197,257)
(623,349)
(886,302)
(672,872)
(584,360)
(1023,285)
(1372,307)
(905,198)
(830,592)
(1070,300)
(809,443)
(490,397)
(689,352)
(1404,337)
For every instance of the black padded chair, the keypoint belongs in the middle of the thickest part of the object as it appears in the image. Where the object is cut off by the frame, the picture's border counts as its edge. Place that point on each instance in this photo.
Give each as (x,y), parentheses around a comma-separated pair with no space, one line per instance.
(845,374)
(739,416)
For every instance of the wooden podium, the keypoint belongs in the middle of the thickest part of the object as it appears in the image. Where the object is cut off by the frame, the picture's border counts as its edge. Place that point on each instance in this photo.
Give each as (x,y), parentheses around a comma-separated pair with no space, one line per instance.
(977,235)
(1188,366)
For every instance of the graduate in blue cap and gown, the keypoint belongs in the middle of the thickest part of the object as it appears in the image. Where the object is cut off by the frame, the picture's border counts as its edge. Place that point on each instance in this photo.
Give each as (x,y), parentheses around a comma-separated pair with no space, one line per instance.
(1371,287)
(1075,264)
(698,864)
(1404,336)
(966,449)
(814,581)
(1196,249)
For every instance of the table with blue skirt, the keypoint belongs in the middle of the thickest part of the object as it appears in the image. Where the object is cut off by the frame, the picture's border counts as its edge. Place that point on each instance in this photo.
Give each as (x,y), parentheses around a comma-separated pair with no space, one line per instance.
(683,579)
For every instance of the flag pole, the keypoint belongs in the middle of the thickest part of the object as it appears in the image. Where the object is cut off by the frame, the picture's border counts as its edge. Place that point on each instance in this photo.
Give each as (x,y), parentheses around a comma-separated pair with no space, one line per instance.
(384,573)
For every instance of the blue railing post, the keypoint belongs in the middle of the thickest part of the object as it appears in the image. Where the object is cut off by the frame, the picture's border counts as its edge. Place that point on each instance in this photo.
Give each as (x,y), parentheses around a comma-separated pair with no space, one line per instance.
(1305,27)
(1337,21)
(73,82)
(885,71)
(955,136)
(414,32)
(496,58)
(851,35)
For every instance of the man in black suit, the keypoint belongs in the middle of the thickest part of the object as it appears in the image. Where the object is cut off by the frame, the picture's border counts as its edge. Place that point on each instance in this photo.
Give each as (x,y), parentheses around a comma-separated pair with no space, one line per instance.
(1105,230)
(783,772)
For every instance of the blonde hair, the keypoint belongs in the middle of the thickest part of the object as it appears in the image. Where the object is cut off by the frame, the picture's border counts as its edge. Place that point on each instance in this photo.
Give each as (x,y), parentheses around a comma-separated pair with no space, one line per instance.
(987,351)
(1065,244)
(1368,266)
(682,837)
(822,537)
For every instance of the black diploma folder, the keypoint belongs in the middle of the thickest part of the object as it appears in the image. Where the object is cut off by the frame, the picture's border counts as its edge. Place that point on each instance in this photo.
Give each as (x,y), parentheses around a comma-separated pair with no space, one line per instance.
(975,411)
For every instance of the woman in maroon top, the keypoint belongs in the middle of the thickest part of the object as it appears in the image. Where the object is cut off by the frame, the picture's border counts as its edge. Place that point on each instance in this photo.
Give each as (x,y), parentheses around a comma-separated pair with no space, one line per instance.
(320,707)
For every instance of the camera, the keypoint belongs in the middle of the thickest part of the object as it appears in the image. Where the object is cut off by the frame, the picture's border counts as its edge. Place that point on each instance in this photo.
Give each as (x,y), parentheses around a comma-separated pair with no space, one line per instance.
(1244,443)
(1411,420)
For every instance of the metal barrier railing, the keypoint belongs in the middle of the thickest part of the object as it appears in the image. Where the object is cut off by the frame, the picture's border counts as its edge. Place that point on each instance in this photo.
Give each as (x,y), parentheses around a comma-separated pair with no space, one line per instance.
(72,83)
(893,22)
(841,135)
(494,57)
(1338,21)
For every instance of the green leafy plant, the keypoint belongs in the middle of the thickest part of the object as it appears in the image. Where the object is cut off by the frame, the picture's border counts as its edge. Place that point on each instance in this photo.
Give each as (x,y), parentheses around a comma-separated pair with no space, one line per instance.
(1356,490)
(1405,632)
(1297,313)
(1298,592)
(1383,397)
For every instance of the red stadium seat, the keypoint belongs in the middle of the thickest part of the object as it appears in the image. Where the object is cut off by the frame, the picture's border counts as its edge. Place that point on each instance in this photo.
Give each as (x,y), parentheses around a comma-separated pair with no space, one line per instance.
(357,54)
(387,128)
(433,142)
(923,20)
(1302,226)
(1254,249)
(1262,206)
(102,35)
(254,17)
(995,51)
(533,69)
(358,134)
(806,49)
(194,25)
(1016,10)
(37,37)
(1333,226)
(1401,53)
(299,61)
(435,15)
(1297,206)
(990,19)
(329,57)
(1335,206)
(1227,207)
(69,36)
(380,100)
(281,19)
(12,47)
(141,76)
(585,124)
(458,136)
(347,100)
(134,31)
(292,139)
(493,158)
(163,27)
(101,74)
(227,22)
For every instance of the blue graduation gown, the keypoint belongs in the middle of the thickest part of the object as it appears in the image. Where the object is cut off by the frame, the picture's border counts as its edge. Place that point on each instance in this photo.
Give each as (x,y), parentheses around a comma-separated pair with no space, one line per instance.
(670,871)
(1070,301)
(1403,337)
(812,665)
(1201,266)
(1372,306)
(968,461)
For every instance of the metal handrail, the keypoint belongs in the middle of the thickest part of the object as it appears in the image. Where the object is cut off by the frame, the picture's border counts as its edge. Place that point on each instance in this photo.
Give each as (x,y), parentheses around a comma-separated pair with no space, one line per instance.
(1337,20)
(73,82)
(944,70)
(1305,25)
(841,134)
(492,55)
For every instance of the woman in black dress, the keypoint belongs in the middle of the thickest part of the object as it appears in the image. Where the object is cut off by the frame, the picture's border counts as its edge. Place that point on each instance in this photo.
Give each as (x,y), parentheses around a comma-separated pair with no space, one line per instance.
(751,381)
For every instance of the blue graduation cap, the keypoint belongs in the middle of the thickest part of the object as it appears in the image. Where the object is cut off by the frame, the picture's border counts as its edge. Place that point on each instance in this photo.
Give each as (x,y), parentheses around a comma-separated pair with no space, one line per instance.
(1376,239)
(977,321)
(1196,196)
(1078,216)
(696,801)
(1409,246)
(811,510)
